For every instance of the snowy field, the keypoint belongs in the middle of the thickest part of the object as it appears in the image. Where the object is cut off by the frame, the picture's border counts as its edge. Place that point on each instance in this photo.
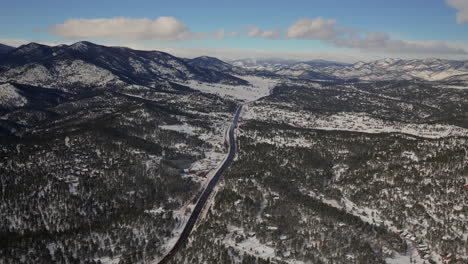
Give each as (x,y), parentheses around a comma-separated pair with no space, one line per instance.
(182,128)
(412,257)
(251,245)
(259,87)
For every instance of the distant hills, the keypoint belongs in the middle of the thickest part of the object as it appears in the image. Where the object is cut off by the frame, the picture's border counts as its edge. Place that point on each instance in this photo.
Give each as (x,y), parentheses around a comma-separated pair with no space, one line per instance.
(88,64)
(385,69)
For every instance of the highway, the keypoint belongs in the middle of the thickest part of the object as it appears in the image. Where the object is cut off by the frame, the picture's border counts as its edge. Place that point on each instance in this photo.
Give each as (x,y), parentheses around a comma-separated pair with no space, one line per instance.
(208,190)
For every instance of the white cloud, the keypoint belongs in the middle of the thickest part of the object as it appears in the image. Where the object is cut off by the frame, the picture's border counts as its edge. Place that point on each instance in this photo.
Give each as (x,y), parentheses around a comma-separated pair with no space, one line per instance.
(234,33)
(219,34)
(317,28)
(161,28)
(323,29)
(255,31)
(462,6)
(381,42)
(271,34)
(327,31)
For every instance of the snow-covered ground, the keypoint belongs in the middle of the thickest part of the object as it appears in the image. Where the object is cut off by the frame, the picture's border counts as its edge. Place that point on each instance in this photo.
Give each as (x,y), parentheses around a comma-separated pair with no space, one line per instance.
(459,87)
(372,216)
(411,257)
(358,122)
(182,128)
(61,74)
(259,87)
(252,246)
(208,167)
(9,96)
(351,121)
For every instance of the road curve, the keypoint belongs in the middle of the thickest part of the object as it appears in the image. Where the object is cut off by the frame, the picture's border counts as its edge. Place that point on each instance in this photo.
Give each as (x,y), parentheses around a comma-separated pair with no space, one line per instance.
(208,190)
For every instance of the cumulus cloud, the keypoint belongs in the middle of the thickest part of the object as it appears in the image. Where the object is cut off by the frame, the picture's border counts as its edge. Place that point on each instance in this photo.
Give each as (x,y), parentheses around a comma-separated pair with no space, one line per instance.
(316,28)
(255,31)
(161,28)
(326,30)
(381,42)
(271,34)
(462,6)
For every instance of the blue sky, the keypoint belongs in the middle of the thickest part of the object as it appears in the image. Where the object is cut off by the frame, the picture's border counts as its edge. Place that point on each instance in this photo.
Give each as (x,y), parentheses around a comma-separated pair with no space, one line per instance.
(346,30)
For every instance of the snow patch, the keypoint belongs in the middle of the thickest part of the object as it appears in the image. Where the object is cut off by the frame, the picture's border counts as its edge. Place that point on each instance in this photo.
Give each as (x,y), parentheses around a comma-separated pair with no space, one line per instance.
(182,128)
(260,87)
(10,97)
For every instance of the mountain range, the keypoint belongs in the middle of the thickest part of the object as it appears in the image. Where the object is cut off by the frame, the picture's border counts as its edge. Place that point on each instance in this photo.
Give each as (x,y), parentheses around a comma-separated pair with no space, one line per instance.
(385,69)
(37,63)
(85,64)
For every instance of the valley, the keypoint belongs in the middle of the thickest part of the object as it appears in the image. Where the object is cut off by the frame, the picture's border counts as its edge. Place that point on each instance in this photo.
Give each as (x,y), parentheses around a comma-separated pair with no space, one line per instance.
(115,155)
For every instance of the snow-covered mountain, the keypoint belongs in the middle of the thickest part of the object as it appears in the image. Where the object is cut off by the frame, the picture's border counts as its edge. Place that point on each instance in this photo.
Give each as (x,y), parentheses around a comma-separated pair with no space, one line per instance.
(397,69)
(10,97)
(290,68)
(385,69)
(14,95)
(85,64)
(263,63)
(280,63)
(90,161)
(215,64)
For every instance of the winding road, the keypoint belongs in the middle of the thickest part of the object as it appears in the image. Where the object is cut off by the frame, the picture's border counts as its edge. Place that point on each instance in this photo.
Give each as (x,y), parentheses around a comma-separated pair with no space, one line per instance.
(208,190)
